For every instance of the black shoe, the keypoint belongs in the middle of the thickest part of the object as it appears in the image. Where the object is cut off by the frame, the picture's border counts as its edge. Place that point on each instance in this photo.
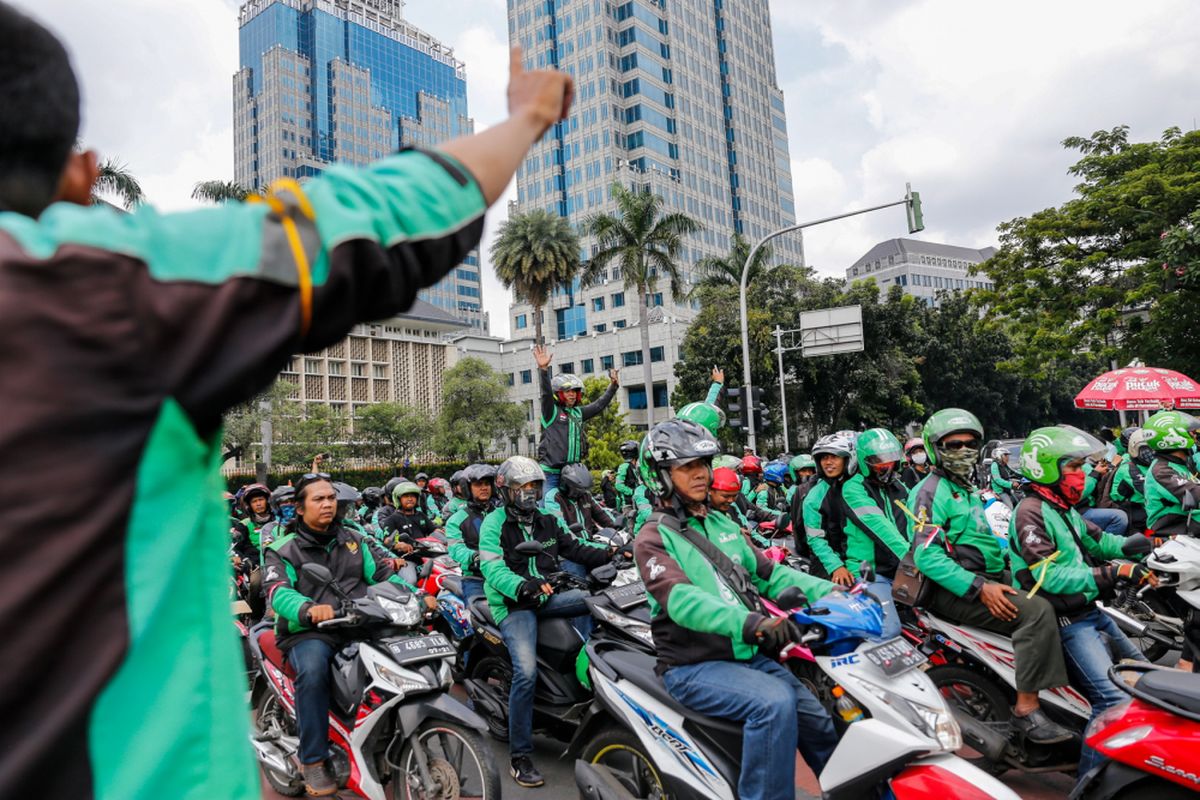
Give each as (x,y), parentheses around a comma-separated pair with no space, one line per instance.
(1040,729)
(317,780)
(525,773)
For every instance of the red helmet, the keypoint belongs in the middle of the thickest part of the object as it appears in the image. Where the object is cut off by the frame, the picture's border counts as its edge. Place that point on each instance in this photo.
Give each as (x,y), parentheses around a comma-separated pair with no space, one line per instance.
(725,479)
(751,465)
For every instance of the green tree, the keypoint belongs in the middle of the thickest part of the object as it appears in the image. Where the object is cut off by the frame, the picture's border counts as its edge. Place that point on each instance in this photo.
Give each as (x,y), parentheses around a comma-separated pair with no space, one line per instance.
(1087,276)
(305,430)
(393,431)
(116,179)
(726,270)
(219,191)
(534,253)
(645,243)
(243,422)
(476,420)
(605,431)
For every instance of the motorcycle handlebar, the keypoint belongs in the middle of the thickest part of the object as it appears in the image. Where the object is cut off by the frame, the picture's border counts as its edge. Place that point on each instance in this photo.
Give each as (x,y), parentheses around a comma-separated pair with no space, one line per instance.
(329,623)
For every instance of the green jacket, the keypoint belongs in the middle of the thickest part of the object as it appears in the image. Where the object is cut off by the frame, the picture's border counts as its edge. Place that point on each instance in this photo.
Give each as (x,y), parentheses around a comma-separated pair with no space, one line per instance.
(824,527)
(884,540)
(1076,576)
(964,552)
(696,617)
(999,483)
(626,482)
(1125,489)
(452,507)
(1172,492)
(463,533)
(748,491)
(769,494)
(641,503)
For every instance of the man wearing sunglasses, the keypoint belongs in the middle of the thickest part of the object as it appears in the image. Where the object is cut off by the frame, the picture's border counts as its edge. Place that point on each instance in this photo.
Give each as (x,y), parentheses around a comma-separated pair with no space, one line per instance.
(956,549)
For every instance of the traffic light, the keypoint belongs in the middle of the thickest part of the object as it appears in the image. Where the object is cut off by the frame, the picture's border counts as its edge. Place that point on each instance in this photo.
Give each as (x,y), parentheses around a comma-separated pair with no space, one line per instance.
(740,403)
(762,415)
(734,397)
(916,219)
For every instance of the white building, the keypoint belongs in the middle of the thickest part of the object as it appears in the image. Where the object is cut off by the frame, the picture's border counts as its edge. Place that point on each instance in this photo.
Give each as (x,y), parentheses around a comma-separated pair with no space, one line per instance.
(921,269)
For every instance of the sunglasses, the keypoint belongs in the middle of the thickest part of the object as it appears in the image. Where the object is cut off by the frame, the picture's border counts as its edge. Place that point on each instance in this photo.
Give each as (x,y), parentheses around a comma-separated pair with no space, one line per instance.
(312,477)
(959,444)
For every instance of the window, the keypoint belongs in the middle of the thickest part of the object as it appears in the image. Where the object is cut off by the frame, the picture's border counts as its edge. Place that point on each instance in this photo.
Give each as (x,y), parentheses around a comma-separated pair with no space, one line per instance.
(526,376)
(521,321)
(653,300)
(312,366)
(618,300)
(510,378)
(358,370)
(597,304)
(570,321)
(600,327)
(631,358)
(637,396)
(587,366)
(337,368)
(606,363)
(656,354)
(568,368)
(379,371)
(618,323)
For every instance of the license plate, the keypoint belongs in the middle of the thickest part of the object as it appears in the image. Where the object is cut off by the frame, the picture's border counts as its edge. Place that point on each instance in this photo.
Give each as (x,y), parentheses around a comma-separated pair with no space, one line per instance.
(895,657)
(628,596)
(420,648)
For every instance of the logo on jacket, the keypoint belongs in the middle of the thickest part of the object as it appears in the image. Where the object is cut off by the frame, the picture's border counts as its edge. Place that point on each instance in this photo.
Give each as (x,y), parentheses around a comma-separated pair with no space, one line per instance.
(272,575)
(655,568)
(352,546)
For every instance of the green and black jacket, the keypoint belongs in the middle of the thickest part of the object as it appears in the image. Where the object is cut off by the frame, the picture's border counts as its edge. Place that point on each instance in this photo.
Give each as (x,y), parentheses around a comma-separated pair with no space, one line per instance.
(695,615)
(1172,492)
(964,553)
(462,536)
(626,482)
(578,511)
(825,523)
(876,528)
(563,441)
(126,337)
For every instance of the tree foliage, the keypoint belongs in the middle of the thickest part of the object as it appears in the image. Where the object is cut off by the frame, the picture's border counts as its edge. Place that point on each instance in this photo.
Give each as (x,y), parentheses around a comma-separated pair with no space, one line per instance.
(393,432)
(726,270)
(243,422)
(219,191)
(476,419)
(606,430)
(116,179)
(536,252)
(305,430)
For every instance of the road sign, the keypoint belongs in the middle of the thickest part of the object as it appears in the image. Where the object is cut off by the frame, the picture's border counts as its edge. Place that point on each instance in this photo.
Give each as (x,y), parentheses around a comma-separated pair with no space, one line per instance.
(829,331)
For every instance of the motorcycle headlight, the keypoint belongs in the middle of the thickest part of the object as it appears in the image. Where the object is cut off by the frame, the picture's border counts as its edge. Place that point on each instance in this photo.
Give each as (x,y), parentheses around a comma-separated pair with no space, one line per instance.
(401,613)
(633,627)
(403,682)
(936,723)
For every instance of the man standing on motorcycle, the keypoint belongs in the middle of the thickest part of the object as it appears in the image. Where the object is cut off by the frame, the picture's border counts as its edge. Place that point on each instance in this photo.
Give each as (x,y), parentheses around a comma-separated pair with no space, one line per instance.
(822,516)
(956,549)
(518,592)
(300,605)
(464,526)
(1068,558)
(710,635)
(563,414)
(572,500)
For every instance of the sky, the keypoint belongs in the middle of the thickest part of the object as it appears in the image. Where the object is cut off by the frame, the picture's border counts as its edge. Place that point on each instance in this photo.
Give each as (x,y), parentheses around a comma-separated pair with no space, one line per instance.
(967,101)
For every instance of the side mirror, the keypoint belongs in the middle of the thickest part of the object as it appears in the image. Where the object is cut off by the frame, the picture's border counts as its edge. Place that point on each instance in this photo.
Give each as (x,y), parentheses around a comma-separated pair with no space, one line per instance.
(576,528)
(528,549)
(791,597)
(318,573)
(619,521)
(605,573)
(866,573)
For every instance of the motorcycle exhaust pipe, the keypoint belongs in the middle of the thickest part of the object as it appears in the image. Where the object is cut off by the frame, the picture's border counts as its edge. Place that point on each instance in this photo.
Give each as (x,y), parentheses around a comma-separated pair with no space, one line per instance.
(982,738)
(1139,628)
(275,756)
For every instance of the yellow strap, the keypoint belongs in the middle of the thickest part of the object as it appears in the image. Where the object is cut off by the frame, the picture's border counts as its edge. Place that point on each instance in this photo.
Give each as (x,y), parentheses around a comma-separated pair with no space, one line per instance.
(303,269)
(1045,565)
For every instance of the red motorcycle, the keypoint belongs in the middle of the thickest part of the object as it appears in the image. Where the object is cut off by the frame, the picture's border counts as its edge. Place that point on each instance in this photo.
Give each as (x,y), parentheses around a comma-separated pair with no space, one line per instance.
(1153,741)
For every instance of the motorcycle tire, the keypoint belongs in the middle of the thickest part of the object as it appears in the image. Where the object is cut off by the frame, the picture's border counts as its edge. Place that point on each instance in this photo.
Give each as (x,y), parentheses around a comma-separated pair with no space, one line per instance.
(268,706)
(469,743)
(498,672)
(623,754)
(988,702)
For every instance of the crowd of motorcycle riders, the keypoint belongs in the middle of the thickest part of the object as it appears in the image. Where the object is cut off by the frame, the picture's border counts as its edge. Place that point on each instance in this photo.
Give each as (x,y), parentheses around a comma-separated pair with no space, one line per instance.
(1085,511)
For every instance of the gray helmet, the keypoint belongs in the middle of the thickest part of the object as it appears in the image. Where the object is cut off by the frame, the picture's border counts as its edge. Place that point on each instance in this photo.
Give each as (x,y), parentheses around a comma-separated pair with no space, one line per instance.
(576,479)
(629,449)
(422,476)
(676,441)
(479,472)
(1126,434)
(566,382)
(838,444)
(1137,448)
(347,497)
(282,494)
(459,483)
(514,473)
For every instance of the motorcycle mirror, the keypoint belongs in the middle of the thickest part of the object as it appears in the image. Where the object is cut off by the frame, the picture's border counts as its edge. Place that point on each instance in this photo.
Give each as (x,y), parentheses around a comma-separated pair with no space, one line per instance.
(605,573)
(528,549)
(577,527)
(318,573)
(791,597)
(866,573)
(619,521)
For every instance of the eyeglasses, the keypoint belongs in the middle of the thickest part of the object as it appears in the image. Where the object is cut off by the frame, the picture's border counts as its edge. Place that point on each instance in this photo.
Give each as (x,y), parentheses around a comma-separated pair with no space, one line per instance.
(959,444)
(312,477)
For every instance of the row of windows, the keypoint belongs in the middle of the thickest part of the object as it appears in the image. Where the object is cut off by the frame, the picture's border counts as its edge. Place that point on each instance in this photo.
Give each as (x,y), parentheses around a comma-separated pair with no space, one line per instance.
(314,366)
(938,282)
(587,366)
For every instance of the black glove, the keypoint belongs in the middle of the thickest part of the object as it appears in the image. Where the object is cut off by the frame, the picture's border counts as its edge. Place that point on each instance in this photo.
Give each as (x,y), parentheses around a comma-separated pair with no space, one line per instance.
(1130,573)
(530,590)
(770,633)
(626,550)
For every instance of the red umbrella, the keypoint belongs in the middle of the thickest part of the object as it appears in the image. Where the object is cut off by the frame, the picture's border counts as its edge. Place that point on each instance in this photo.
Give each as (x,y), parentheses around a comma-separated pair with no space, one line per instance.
(1140,388)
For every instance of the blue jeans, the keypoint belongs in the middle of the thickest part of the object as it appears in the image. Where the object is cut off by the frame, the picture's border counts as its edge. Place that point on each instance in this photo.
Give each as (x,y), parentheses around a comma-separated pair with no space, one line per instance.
(551,481)
(472,588)
(1091,646)
(310,658)
(780,715)
(573,568)
(519,630)
(881,587)
(1109,520)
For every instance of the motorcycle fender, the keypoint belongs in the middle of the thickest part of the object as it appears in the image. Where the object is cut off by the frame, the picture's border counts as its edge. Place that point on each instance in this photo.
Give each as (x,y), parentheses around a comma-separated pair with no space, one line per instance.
(593,720)
(595,782)
(1108,780)
(409,716)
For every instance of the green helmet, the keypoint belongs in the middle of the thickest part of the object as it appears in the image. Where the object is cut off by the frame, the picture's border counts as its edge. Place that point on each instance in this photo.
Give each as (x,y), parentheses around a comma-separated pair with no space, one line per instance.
(1047,449)
(732,462)
(1169,430)
(802,461)
(877,446)
(676,441)
(945,422)
(707,415)
(403,488)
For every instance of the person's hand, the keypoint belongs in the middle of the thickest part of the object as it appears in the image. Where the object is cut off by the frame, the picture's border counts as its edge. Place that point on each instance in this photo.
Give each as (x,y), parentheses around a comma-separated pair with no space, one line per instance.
(542,95)
(532,589)
(1137,574)
(237,561)
(320,613)
(994,597)
(1101,468)
(842,577)
(614,375)
(397,564)
(431,603)
(718,375)
(774,633)
(542,356)
(404,547)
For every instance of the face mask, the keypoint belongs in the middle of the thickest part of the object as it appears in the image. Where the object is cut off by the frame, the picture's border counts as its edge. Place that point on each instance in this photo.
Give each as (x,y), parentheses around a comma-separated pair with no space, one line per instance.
(1071,486)
(287,514)
(919,459)
(959,463)
(525,499)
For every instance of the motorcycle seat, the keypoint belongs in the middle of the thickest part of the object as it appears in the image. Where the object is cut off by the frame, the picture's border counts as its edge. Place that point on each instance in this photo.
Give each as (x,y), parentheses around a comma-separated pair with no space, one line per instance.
(481,611)
(453,584)
(638,669)
(1181,689)
(271,652)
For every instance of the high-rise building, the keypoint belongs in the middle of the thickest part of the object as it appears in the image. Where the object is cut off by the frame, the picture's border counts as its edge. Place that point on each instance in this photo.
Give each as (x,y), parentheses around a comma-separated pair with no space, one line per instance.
(921,269)
(349,81)
(676,97)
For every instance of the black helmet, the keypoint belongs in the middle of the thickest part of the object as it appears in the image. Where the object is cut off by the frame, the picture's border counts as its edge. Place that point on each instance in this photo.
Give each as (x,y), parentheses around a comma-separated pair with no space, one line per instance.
(347,498)
(479,472)
(459,483)
(629,450)
(576,479)
(282,494)
(390,487)
(676,441)
(255,489)
(1127,432)
(514,473)
(372,496)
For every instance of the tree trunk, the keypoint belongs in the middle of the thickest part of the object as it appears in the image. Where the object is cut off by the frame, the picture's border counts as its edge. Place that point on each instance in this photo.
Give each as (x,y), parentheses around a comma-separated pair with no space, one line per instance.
(647,373)
(537,324)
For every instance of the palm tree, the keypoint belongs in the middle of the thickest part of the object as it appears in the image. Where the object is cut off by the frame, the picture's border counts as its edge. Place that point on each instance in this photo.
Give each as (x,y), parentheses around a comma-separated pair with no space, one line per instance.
(219,191)
(534,253)
(115,178)
(645,243)
(726,270)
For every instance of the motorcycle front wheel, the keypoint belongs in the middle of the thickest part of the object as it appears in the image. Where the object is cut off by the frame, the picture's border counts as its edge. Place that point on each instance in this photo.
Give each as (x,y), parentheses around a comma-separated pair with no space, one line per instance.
(621,751)
(457,760)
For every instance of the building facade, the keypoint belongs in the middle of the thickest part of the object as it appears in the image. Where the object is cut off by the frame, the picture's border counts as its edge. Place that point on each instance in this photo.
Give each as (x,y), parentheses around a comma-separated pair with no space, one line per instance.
(349,81)
(921,269)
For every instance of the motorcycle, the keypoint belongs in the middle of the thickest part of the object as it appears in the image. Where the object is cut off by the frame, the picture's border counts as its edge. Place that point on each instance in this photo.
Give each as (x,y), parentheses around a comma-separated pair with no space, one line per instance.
(1150,742)
(638,742)
(396,732)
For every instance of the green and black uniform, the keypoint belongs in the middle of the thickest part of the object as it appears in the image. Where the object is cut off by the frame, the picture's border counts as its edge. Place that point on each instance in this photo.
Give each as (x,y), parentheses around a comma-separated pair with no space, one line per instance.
(129,672)
(824,523)
(462,536)
(563,441)
(960,558)
(1172,493)
(626,482)
(578,511)
(1128,492)
(876,529)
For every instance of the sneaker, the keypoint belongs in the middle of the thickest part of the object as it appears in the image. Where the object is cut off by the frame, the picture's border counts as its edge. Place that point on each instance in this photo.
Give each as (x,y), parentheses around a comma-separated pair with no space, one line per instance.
(525,773)
(1040,729)
(317,780)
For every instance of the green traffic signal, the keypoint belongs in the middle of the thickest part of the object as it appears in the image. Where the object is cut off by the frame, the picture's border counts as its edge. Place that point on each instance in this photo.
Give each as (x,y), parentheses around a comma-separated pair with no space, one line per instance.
(916,219)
